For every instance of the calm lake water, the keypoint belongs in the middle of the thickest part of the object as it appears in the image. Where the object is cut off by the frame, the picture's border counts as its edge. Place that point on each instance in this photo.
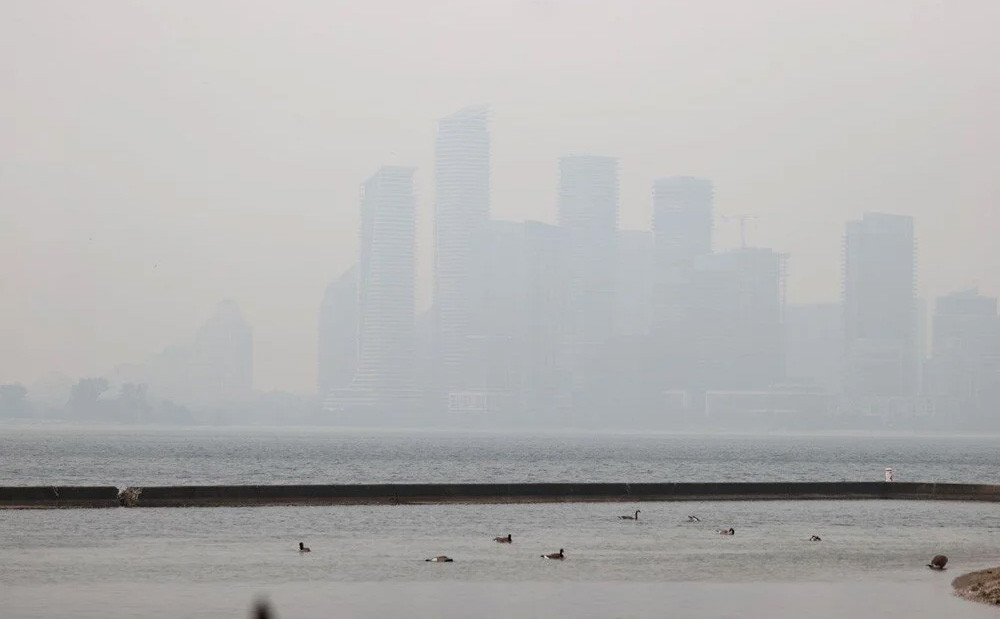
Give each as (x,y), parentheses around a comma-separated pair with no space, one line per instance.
(142,457)
(367,561)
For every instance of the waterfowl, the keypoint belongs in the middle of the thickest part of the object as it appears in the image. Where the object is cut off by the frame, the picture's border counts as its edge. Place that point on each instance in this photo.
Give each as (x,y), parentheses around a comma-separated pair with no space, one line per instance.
(815,538)
(729,531)
(441,559)
(504,540)
(636,517)
(694,519)
(555,555)
(303,548)
(938,562)
(261,610)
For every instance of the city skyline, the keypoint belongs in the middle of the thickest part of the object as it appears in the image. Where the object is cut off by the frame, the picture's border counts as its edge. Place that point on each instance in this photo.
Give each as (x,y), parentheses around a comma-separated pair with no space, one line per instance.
(669,195)
(567,322)
(180,162)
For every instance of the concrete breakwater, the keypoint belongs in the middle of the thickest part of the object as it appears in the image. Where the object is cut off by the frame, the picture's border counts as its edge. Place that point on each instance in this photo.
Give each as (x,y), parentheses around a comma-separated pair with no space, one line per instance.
(394,494)
(58,496)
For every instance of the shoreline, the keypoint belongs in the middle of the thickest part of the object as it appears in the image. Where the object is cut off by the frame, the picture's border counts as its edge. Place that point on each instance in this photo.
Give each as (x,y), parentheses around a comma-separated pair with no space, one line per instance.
(447,427)
(982,586)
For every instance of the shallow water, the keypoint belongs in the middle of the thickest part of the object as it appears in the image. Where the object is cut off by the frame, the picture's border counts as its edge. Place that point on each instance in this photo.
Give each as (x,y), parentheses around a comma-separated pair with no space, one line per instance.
(824,600)
(367,561)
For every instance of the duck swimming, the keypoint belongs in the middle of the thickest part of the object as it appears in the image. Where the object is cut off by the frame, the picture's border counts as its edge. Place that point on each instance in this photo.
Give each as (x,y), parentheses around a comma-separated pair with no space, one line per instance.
(504,540)
(694,519)
(558,556)
(729,531)
(815,538)
(938,562)
(441,559)
(635,517)
(303,548)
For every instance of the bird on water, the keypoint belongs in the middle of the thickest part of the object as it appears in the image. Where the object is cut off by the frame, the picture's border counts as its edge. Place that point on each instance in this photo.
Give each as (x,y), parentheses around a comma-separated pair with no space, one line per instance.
(261,610)
(504,540)
(694,519)
(558,556)
(303,548)
(441,559)
(635,517)
(729,531)
(938,562)
(815,538)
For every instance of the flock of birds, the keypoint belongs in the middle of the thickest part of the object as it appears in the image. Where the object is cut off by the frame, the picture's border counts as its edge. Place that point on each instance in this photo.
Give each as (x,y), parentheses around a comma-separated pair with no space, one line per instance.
(263,611)
(937,563)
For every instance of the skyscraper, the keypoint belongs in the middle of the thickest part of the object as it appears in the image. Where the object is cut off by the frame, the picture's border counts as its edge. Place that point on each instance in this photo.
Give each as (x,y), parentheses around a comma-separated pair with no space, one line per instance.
(634,283)
(963,373)
(682,228)
(493,383)
(588,215)
(733,337)
(814,344)
(546,366)
(462,210)
(682,215)
(880,321)
(337,351)
(384,376)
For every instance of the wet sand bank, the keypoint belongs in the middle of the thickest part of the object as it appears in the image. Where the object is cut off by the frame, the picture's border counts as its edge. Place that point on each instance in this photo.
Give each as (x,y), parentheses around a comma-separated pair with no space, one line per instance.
(982,586)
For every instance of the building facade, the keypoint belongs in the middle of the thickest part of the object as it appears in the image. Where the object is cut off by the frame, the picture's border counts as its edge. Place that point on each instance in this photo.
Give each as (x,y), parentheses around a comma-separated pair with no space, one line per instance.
(588,216)
(963,372)
(337,346)
(881,344)
(462,210)
(386,302)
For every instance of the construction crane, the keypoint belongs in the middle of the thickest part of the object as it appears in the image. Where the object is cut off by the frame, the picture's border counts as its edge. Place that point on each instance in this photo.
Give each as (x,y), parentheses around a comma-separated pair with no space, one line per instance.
(743,226)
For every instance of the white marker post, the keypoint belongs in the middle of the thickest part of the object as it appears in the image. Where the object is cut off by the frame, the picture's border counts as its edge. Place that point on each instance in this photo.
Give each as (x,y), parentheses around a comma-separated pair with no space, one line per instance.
(889,473)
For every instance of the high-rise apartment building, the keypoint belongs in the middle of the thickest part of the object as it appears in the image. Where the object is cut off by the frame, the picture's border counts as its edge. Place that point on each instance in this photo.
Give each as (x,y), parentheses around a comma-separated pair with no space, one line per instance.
(963,372)
(880,319)
(588,215)
(682,235)
(546,366)
(493,373)
(682,228)
(733,335)
(462,210)
(634,284)
(682,216)
(814,344)
(384,375)
(337,350)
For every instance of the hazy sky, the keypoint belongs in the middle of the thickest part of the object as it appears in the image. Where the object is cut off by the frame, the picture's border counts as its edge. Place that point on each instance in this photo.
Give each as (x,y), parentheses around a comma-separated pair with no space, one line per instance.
(158,157)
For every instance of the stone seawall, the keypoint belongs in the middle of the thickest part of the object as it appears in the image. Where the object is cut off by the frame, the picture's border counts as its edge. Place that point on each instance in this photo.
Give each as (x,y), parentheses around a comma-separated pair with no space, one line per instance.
(347,494)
